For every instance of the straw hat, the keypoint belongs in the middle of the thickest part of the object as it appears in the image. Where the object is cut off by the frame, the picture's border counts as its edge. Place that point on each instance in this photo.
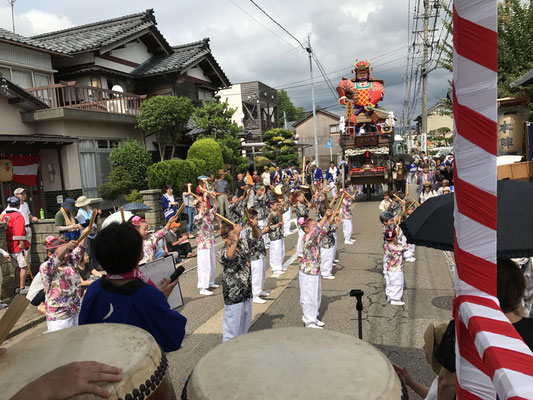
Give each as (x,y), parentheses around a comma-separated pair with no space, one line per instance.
(82,201)
(432,338)
(427,184)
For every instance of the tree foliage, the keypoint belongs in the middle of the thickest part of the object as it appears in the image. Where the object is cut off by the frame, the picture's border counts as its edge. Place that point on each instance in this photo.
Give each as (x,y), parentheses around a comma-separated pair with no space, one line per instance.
(279,147)
(167,118)
(118,183)
(285,104)
(175,172)
(209,151)
(135,159)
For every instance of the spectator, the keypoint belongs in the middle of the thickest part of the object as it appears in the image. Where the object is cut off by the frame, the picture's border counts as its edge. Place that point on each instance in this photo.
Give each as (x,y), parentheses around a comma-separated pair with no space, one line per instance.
(179,245)
(448,172)
(332,172)
(427,193)
(265,176)
(386,203)
(222,190)
(412,169)
(275,177)
(66,223)
(188,200)
(401,177)
(255,177)
(22,194)
(84,217)
(425,176)
(135,299)
(62,284)
(16,242)
(88,274)
(307,172)
(443,184)
(169,203)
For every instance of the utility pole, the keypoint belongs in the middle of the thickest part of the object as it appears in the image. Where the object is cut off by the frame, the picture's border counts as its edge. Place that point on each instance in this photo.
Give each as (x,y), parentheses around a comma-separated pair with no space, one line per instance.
(424,121)
(12,4)
(308,49)
(285,119)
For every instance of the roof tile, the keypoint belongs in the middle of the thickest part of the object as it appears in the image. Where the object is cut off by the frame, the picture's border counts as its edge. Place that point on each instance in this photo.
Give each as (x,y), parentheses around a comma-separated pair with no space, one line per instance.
(13,37)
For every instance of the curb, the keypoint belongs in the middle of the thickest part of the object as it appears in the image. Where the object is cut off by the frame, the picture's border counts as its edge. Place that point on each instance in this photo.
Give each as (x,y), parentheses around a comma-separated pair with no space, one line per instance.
(30,324)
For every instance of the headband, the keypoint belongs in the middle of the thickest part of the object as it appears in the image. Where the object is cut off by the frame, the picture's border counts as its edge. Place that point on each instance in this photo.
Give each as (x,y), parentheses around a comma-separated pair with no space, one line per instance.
(302,221)
(138,221)
(48,242)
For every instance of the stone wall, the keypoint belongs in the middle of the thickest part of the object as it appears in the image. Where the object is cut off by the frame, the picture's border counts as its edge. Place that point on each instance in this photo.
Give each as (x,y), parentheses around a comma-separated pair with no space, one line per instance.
(7,272)
(40,231)
(152,198)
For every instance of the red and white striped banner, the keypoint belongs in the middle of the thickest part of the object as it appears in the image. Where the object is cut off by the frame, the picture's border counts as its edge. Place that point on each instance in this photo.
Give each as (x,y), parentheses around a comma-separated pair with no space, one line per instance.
(490,355)
(25,168)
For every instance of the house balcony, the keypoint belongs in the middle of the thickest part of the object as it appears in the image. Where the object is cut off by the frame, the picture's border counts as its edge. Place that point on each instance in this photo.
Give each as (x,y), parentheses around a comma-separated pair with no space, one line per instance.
(72,101)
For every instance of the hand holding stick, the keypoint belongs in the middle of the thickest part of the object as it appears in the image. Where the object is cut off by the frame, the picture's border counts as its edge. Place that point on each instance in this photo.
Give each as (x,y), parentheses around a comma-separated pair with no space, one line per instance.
(86,232)
(326,200)
(225,219)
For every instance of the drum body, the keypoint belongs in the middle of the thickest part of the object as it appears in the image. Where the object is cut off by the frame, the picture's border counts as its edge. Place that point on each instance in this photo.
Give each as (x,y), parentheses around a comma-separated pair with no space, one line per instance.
(294,363)
(133,349)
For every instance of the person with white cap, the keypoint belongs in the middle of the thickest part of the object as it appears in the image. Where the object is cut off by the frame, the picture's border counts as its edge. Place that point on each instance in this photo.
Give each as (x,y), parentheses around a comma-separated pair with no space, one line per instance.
(22,194)
(16,241)
(83,217)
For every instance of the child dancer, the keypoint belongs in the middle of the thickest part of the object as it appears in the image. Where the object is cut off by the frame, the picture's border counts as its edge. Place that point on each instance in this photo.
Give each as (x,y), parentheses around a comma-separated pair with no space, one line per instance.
(236,208)
(205,246)
(385,203)
(150,241)
(62,282)
(310,290)
(287,211)
(256,247)
(328,247)
(275,234)
(394,281)
(302,211)
(387,220)
(319,199)
(408,254)
(346,214)
(236,284)
(260,205)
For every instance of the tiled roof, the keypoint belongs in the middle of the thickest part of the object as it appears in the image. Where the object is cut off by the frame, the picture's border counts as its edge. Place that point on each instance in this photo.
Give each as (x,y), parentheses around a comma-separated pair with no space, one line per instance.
(9,36)
(99,34)
(182,57)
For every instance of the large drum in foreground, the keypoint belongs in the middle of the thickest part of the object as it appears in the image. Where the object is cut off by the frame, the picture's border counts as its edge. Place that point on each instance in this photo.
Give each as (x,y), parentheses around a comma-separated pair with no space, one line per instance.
(133,349)
(294,363)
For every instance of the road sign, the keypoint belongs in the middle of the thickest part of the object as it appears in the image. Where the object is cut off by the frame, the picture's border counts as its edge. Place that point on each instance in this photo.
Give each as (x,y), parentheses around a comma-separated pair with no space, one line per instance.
(329,144)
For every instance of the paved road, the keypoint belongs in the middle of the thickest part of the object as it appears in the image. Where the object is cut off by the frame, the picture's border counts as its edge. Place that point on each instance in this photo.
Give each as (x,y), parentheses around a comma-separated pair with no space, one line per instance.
(396,330)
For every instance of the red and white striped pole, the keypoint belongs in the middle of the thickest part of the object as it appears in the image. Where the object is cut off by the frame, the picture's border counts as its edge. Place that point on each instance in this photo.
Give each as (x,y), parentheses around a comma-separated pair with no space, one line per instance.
(490,355)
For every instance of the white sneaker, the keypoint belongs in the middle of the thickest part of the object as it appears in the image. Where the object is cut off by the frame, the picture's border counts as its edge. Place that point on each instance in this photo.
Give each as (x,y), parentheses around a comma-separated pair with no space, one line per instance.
(336,260)
(23,290)
(258,300)
(348,242)
(214,286)
(265,293)
(320,323)
(328,277)
(313,325)
(397,302)
(205,292)
(410,259)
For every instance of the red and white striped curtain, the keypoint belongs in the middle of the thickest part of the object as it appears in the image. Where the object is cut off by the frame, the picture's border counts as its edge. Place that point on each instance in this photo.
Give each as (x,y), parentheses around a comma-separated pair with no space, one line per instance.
(490,355)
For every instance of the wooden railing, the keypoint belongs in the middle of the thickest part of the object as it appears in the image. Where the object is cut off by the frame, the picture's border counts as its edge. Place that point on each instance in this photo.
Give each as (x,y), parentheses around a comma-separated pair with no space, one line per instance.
(71,95)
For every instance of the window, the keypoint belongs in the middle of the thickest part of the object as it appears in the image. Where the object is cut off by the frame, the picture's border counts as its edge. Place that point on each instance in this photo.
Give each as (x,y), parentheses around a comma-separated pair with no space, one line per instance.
(204,94)
(96,82)
(334,128)
(6,72)
(94,163)
(22,78)
(41,80)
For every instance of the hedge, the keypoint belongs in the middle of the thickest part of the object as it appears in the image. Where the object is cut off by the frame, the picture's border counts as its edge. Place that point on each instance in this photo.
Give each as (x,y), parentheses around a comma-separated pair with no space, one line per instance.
(175,172)
(209,151)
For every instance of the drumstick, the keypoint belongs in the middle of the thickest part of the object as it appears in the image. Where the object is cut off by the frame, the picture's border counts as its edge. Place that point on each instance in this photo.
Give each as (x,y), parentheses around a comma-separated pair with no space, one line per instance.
(91,223)
(246,214)
(349,195)
(28,266)
(121,214)
(326,200)
(225,219)
(340,202)
(180,209)
(303,171)
(12,315)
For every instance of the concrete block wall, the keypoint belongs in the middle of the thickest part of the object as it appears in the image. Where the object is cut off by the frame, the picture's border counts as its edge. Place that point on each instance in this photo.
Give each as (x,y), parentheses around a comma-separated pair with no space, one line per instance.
(152,198)
(7,272)
(40,231)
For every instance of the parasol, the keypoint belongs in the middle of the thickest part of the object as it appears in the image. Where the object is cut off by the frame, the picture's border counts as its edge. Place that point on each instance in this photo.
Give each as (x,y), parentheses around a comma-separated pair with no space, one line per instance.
(136,207)
(406,158)
(431,224)
(116,217)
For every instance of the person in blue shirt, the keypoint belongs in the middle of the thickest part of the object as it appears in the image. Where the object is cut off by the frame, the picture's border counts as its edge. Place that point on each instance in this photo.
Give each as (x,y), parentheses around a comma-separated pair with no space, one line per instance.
(316,173)
(127,296)
(275,177)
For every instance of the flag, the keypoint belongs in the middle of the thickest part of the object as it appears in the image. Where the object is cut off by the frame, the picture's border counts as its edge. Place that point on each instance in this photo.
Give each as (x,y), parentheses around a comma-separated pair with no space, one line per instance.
(25,168)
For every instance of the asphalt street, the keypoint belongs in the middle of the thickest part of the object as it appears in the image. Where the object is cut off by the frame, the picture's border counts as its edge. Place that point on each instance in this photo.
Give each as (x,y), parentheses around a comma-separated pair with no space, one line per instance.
(396,330)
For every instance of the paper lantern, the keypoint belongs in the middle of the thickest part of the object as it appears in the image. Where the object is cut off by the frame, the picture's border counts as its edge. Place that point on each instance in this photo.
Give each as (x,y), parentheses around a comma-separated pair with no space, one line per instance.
(6,171)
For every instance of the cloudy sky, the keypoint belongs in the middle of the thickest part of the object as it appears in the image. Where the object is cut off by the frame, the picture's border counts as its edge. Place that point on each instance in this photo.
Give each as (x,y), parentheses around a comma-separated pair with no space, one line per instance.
(250,47)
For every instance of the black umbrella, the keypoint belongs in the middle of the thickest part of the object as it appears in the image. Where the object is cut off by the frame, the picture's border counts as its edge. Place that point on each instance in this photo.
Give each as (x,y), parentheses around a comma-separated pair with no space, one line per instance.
(431,225)
(136,207)
(406,158)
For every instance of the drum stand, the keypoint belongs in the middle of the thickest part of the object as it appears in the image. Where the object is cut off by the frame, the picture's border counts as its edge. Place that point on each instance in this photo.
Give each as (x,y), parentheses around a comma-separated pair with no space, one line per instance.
(358,294)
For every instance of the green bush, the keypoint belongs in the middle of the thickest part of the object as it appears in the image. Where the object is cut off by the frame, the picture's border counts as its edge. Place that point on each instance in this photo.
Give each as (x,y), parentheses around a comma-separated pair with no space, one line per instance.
(134,158)
(209,151)
(118,184)
(262,162)
(134,197)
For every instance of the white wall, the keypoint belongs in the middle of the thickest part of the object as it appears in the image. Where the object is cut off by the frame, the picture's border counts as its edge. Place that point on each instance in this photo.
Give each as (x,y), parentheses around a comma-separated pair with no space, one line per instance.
(112,65)
(134,51)
(198,73)
(25,57)
(10,121)
(233,96)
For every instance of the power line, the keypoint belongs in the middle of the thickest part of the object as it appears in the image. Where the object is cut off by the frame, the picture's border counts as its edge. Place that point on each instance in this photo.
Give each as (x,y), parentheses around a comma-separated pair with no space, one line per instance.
(278,24)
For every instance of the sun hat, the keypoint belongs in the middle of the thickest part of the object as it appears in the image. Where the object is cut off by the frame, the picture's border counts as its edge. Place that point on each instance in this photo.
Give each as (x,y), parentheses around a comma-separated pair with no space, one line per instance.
(432,338)
(427,183)
(13,201)
(82,201)
(19,191)
(69,204)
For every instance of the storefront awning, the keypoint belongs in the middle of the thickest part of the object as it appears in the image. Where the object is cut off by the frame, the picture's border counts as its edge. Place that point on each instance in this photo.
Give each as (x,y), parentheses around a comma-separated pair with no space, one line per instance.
(38,139)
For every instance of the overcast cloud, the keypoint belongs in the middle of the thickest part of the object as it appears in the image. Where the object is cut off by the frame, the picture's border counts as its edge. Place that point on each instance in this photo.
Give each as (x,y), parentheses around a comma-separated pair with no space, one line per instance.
(249,49)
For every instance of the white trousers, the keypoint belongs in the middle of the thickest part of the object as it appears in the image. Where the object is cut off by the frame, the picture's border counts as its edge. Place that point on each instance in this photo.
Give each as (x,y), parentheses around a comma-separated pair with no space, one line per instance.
(310,297)
(258,275)
(326,260)
(206,267)
(411,252)
(59,324)
(394,288)
(277,254)
(333,189)
(261,224)
(299,246)
(236,320)
(347,229)
(287,221)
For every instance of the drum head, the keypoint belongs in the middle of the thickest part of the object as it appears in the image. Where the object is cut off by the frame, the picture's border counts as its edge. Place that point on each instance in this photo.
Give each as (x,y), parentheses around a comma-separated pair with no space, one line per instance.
(278,189)
(294,363)
(124,346)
